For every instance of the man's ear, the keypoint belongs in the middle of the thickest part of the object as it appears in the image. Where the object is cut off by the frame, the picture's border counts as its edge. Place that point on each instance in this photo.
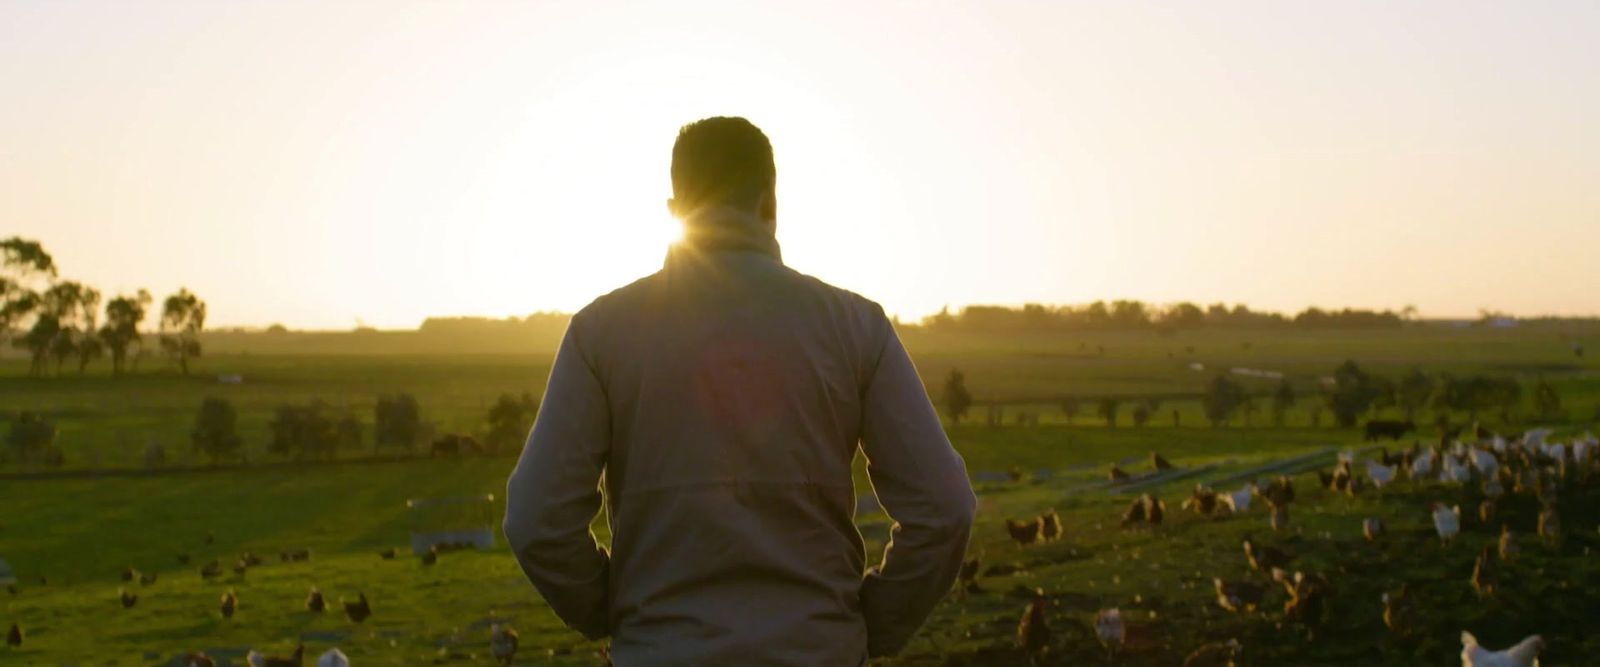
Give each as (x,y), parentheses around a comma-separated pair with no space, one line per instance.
(672,208)
(768,207)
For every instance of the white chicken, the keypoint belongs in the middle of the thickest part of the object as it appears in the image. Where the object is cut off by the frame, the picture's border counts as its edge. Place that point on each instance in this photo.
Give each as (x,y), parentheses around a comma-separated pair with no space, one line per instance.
(1535,437)
(1485,462)
(1109,629)
(1446,521)
(1422,465)
(1239,501)
(1455,472)
(1381,474)
(1498,443)
(333,658)
(1524,654)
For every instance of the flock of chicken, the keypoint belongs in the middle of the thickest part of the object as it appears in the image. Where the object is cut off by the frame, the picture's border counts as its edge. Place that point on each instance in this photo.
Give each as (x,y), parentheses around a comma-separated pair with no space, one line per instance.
(1525,466)
(503,639)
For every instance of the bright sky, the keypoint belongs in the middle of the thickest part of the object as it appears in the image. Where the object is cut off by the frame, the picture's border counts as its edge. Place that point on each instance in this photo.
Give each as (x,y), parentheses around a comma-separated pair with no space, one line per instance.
(314,163)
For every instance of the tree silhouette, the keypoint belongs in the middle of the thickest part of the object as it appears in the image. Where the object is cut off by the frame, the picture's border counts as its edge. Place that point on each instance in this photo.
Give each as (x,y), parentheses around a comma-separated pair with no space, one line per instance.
(1413,392)
(1283,400)
(1223,397)
(957,400)
(397,421)
(510,419)
(121,330)
(214,431)
(1107,409)
(1352,393)
(183,315)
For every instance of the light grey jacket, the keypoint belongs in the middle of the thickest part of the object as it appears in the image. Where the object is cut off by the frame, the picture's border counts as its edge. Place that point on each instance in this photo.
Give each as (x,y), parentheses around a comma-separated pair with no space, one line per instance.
(722,399)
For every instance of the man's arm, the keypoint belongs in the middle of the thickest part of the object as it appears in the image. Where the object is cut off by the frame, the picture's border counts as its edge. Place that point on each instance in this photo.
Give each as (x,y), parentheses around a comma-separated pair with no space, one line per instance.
(554,494)
(922,483)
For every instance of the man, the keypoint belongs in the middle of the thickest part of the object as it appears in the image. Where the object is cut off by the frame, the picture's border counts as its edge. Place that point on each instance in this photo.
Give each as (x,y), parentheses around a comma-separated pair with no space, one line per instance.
(723,398)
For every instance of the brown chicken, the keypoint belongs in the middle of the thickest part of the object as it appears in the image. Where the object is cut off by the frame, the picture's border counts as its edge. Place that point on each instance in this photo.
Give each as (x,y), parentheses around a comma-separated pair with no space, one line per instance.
(1278,515)
(314,601)
(1117,475)
(147,579)
(967,578)
(1049,526)
(1214,654)
(1159,463)
(1024,532)
(211,570)
(198,660)
(295,659)
(1399,614)
(230,603)
(128,599)
(14,636)
(1372,529)
(1134,515)
(1238,597)
(1033,631)
(1202,501)
(1485,576)
(1263,558)
(129,574)
(1508,544)
(359,610)
(389,553)
(1306,599)
(431,556)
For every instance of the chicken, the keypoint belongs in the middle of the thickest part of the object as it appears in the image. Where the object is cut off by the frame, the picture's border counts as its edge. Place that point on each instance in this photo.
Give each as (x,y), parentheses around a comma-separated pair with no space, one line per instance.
(1049,526)
(967,578)
(1154,510)
(1306,600)
(1134,515)
(1399,615)
(230,603)
(1524,654)
(389,553)
(314,601)
(1279,516)
(431,556)
(1024,532)
(147,579)
(1422,465)
(1455,471)
(1108,628)
(503,643)
(249,559)
(1117,475)
(1159,463)
(1033,631)
(1508,544)
(128,599)
(333,658)
(1380,475)
(1239,501)
(1214,654)
(1484,461)
(198,659)
(292,660)
(1550,524)
(1486,511)
(239,567)
(1264,558)
(1237,596)
(211,570)
(1202,501)
(1484,573)
(129,574)
(1372,529)
(1325,479)
(359,610)
(1493,488)
(1446,522)
(14,636)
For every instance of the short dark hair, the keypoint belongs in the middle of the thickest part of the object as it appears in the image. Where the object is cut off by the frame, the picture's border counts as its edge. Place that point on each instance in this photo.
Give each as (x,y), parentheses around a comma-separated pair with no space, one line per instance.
(721,160)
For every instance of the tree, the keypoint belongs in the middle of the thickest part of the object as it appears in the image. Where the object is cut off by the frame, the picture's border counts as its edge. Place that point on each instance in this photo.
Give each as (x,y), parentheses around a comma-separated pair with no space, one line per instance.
(1476,394)
(1107,410)
(1283,400)
(1141,413)
(71,310)
(24,268)
(956,397)
(1413,392)
(1223,397)
(304,431)
(215,427)
(397,421)
(183,316)
(1546,402)
(1070,406)
(510,418)
(30,436)
(121,330)
(1351,395)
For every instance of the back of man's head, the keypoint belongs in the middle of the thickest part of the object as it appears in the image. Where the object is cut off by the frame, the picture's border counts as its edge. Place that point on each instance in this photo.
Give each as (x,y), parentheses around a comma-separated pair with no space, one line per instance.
(722,161)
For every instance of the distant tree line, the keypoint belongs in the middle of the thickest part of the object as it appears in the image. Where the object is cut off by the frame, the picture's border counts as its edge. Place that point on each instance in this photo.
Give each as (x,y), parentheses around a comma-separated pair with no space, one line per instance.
(1127,314)
(58,321)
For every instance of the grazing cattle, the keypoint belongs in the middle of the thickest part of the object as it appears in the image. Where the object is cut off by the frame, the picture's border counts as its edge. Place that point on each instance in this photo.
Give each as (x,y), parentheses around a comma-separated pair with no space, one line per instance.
(1384,428)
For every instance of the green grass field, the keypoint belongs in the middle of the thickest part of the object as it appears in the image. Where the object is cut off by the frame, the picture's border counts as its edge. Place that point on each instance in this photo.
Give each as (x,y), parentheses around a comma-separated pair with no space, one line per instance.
(79,532)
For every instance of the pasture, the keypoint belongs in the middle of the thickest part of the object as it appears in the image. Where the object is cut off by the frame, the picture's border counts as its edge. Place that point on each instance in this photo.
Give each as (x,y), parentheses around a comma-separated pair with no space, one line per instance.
(79,528)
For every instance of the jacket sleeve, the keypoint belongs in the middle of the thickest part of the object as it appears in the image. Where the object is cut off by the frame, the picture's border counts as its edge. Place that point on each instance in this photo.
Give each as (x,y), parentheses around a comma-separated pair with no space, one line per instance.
(554,494)
(922,483)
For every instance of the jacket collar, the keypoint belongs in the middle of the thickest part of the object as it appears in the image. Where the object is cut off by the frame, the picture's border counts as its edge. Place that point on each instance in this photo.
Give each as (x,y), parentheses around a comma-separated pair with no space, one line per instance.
(725,230)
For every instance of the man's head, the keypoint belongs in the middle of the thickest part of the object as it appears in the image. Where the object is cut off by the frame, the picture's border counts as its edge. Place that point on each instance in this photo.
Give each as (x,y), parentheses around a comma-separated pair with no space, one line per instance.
(723,164)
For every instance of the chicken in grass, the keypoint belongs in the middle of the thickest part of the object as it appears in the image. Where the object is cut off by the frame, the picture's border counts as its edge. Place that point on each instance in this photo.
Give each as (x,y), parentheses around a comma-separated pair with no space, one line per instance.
(128,599)
(1109,629)
(1134,515)
(1158,462)
(1214,654)
(430,556)
(230,604)
(147,578)
(1264,558)
(1422,465)
(292,660)
(14,636)
(1239,597)
(1278,516)
(1024,532)
(359,610)
(333,658)
(1485,576)
(1117,475)
(314,601)
(1307,596)
(1508,545)
(389,553)
(1372,529)
(1446,522)
(1381,475)
(967,578)
(1154,510)
(1049,526)
(1550,524)
(503,643)
(198,659)
(1202,501)
(1033,630)
(1524,654)
(211,570)
(1239,501)
(1399,614)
